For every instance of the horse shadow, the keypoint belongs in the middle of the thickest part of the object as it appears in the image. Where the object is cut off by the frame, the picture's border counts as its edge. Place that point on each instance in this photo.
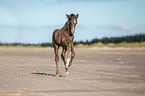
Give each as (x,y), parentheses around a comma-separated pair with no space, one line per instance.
(45,74)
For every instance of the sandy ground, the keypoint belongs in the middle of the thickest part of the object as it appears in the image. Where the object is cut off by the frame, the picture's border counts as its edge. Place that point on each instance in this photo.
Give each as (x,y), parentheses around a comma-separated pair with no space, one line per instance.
(95,72)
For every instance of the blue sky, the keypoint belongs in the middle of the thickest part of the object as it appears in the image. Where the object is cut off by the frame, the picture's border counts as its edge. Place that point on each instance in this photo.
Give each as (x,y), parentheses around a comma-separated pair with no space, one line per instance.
(33,21)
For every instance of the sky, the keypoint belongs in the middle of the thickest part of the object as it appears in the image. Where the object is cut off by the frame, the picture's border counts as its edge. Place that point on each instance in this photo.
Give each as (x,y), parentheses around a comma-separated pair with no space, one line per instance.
(33,21)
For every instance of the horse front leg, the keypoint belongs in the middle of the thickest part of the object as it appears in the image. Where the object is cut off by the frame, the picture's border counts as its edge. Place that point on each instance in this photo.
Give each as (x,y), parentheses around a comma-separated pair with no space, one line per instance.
(63,55)
(72,54)
(67,59)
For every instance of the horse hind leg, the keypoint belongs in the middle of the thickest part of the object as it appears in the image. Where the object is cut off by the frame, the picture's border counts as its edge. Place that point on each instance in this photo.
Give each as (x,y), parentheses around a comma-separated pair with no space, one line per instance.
(56,59)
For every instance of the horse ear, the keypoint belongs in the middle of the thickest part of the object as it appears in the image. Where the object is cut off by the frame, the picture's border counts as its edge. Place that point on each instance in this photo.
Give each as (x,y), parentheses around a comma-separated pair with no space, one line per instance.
(77,16)
(68,16)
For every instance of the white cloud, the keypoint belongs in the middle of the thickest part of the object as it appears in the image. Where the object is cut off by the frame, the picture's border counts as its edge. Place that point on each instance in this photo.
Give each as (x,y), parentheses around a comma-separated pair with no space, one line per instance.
(116,27)
(125,27)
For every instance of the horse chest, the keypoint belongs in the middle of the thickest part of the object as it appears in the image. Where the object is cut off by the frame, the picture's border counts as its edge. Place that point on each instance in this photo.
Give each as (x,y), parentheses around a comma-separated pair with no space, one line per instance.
(68,39)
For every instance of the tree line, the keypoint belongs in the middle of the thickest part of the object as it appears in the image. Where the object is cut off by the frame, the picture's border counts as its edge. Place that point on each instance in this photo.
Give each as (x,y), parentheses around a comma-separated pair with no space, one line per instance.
(25,45)
(115,40)
(105,40)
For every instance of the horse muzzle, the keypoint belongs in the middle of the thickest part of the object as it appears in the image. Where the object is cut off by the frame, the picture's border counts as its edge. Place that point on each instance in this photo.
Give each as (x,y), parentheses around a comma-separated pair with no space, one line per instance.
(71,33)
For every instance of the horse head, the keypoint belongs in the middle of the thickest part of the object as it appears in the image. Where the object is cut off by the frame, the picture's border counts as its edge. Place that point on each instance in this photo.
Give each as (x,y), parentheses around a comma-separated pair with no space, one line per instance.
(72,19)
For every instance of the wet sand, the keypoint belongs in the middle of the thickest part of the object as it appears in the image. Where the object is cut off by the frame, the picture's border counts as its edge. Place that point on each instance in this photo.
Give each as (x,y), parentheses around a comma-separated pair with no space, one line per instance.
(95,72)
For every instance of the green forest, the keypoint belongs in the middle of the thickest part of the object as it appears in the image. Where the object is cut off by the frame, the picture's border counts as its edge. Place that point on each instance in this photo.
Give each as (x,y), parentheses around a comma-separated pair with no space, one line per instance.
(138,38)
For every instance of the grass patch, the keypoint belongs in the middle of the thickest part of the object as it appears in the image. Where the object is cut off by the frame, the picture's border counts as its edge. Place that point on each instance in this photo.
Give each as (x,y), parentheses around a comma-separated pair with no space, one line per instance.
(94,45)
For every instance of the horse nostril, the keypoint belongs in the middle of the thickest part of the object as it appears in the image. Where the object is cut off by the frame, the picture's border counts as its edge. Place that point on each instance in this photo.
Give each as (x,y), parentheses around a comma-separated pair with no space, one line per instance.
(71,33)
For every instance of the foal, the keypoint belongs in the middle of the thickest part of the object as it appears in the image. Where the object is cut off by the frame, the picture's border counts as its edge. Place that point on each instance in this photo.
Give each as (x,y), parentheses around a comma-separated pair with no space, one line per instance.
(64,37)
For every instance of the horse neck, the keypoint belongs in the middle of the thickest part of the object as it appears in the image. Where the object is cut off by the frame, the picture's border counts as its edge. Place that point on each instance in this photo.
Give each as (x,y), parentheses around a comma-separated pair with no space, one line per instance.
(66,26)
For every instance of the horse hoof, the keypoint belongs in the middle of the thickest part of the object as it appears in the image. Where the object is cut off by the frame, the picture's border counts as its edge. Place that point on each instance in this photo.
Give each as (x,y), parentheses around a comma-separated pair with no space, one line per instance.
(67,72)
(57,75)
(66,67)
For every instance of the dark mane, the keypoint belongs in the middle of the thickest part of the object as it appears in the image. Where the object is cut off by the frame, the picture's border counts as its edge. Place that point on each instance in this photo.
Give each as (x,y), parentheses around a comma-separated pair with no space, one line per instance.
(66,23)
(72,14)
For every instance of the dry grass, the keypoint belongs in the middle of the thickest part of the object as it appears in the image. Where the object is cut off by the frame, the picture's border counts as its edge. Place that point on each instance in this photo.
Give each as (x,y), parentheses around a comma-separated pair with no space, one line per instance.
(97,45)
(112,45)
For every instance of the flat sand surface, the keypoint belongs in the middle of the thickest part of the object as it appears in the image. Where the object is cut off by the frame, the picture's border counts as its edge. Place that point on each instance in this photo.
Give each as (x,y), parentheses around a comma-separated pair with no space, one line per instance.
(95,72)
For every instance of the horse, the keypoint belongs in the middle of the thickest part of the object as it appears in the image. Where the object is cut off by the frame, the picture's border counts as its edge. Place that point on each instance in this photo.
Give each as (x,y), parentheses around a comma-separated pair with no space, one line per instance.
(64,37)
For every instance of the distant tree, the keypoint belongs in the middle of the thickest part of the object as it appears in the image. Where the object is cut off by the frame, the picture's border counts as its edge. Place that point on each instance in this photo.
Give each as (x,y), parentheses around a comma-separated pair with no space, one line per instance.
(128,39)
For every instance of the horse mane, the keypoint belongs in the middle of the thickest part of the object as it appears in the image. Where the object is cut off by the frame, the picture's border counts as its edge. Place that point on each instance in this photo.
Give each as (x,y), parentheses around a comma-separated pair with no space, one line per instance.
(65,23)
(72,14)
